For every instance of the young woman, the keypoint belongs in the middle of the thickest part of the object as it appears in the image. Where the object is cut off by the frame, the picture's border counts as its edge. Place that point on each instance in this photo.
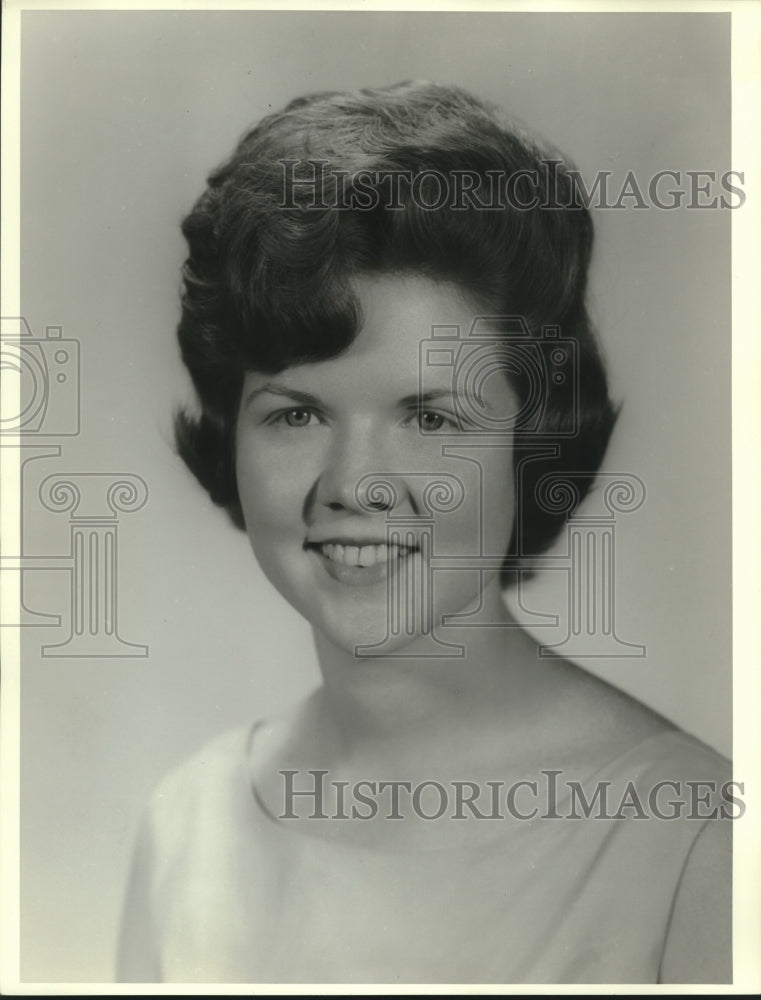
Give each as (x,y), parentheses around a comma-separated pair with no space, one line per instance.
(384,318)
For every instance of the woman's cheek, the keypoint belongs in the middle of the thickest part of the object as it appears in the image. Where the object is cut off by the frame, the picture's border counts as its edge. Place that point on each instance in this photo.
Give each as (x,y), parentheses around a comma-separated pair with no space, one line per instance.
(271,478)
(271,500)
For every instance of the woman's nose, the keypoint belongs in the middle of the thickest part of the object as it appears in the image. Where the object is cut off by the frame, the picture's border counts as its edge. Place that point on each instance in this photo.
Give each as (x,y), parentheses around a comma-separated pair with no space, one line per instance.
(353,474)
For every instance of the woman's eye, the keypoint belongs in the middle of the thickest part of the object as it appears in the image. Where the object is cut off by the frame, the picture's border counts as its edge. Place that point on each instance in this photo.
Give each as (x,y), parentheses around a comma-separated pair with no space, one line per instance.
(430,421)
(299,416)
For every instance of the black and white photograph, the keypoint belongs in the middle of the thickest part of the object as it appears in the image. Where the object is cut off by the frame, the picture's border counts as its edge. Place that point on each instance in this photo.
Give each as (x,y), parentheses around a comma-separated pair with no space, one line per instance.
(378,400)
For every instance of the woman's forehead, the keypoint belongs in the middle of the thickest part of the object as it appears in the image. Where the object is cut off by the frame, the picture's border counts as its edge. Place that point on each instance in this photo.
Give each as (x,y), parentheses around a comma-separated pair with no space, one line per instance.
(400,314)
(419,302)
(363,381)
(412,332)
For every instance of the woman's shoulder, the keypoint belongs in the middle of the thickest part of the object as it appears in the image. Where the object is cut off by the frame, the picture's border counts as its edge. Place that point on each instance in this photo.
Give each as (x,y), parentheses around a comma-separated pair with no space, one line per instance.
(642,766)
(219,752)
(626,718)
(621,732)
(209,773)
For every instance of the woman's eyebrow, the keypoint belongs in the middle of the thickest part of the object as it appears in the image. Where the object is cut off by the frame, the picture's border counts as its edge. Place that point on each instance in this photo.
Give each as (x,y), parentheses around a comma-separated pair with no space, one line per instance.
(278,389)
(416,399)
(420,398)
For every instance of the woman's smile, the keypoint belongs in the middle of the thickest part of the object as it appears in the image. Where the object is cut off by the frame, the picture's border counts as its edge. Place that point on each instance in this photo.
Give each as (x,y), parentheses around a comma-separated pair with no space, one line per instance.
(361,565)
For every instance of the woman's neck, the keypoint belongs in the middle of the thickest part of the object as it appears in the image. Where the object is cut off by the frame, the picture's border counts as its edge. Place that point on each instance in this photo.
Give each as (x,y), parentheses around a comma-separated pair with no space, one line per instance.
(411,708)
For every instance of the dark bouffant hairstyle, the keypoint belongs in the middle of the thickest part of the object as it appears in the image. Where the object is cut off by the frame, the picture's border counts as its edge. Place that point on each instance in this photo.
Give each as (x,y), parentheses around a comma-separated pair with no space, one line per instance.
(307,201)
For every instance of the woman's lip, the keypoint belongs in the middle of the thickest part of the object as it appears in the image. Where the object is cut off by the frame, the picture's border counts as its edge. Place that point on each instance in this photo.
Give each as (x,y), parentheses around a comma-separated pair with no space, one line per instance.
(357,542)
(358,576)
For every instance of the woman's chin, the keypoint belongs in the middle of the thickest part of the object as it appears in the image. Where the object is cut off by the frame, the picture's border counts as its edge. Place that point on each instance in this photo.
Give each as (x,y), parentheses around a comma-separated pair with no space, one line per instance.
(369,637)
(367,628)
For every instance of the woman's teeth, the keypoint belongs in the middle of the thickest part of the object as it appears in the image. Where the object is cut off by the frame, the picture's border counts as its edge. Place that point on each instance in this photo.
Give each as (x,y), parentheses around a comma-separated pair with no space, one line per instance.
(363,555)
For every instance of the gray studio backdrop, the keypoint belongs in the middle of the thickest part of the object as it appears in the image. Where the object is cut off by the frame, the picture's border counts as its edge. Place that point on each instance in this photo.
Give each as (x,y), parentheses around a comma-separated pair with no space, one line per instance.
(123,115)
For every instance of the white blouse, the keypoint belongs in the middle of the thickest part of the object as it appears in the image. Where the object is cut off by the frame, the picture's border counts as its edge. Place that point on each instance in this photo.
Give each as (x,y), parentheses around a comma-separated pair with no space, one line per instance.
(223,892)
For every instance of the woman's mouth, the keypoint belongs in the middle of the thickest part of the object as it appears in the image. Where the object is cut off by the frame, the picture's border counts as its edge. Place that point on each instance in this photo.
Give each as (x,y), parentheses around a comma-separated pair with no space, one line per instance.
(360,564)
(363,555)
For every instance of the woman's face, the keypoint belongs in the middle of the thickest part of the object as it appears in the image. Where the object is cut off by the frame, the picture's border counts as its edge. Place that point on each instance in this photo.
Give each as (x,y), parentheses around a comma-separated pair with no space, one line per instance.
(312,440)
